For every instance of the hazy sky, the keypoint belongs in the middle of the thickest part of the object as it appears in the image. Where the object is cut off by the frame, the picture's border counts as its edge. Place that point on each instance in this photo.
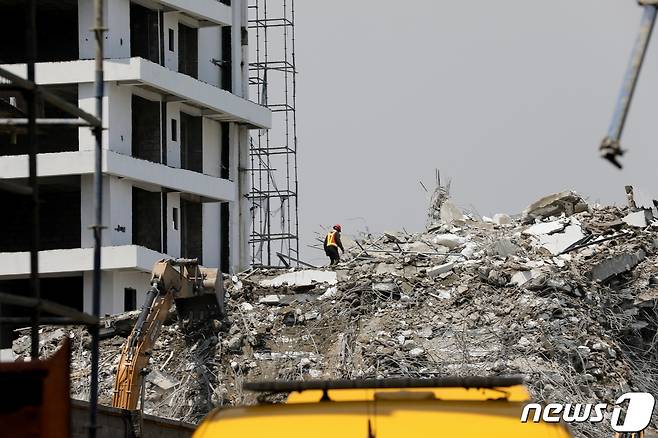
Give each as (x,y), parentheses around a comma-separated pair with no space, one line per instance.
(509,98)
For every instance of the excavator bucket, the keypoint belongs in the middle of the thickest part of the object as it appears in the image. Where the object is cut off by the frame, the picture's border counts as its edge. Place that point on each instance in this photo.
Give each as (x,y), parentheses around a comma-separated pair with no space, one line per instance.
(206,300)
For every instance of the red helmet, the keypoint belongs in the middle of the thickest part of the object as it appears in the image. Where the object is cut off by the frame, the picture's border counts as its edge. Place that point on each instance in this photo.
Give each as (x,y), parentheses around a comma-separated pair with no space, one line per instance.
(337,227)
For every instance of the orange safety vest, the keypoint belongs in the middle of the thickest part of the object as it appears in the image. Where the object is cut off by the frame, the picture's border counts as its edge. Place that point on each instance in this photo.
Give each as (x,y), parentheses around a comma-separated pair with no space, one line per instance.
(331,239)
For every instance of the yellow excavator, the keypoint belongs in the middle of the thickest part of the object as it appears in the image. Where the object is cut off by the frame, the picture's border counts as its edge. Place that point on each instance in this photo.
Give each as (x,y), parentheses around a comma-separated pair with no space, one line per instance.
(199,295)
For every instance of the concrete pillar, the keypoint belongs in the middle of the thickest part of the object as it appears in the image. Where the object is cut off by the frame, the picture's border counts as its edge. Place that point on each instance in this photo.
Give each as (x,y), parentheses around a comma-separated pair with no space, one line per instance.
(113,285)
(173,224)
(244,187)
(235,234)
(236,46)
(210,40)
(211,234)
(212,143)
(87,102)
(173,146)
(245,52)
(117,21)
(171,56)
(108,298)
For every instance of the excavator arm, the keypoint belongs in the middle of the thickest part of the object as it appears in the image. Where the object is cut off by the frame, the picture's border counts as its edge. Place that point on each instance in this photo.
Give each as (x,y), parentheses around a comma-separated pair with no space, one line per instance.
(136,351)
(197,290)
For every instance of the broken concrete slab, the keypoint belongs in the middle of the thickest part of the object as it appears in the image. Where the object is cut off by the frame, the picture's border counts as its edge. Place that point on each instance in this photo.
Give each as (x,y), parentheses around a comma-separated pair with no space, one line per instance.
(641,218)
(545,228)
(616,265)
(566,203)
(161,380)
(301,278)
(449,240)
(440,269)
(450,214)
(469,250)
(557,242)
(639,198)
(270,300)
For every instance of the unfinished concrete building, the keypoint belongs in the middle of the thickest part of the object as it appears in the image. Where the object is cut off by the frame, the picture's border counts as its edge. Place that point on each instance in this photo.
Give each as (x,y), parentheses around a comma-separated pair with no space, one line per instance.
(177,120)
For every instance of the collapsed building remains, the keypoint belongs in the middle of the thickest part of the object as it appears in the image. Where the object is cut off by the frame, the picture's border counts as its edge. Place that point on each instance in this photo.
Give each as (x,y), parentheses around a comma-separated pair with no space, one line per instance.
(565,294)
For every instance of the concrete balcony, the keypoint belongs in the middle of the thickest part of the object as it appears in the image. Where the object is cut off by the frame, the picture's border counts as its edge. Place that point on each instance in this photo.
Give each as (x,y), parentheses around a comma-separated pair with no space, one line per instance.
(214,102)
(205,11)
(82,163)
(79,260)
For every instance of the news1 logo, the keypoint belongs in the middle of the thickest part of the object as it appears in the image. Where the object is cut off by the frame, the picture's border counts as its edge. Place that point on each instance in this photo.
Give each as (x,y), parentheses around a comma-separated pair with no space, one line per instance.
(640,406)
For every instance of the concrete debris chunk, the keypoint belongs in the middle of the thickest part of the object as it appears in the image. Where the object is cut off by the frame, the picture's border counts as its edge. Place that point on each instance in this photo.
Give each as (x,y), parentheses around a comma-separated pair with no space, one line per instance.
(545,228)
(504,248)
(520,278)
(639,219)
(502,219)
(441,269)
(329,293)
(301,278)
(449,240)
(469,250)
(566,203)
(246,307)
(638,198)
(271,300)
(617,265)
(558,242)
(442,295)
(161,380)
(308,316)
(425,332)
(450,214)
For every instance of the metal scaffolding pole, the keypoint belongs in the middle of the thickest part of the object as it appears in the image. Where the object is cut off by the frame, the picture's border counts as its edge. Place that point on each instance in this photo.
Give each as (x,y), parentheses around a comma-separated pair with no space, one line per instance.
(98,209)
(31,97)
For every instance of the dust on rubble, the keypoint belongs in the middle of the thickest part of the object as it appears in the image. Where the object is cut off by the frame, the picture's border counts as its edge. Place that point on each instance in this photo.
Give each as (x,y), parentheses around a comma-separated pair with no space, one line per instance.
(565,294)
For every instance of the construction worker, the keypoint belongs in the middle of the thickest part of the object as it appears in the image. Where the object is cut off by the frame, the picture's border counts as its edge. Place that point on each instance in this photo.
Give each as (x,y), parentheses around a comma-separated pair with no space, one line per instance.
(332,243)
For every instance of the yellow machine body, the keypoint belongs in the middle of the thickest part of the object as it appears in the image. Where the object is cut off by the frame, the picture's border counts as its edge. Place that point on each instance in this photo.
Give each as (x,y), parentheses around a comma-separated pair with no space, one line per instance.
(384,413)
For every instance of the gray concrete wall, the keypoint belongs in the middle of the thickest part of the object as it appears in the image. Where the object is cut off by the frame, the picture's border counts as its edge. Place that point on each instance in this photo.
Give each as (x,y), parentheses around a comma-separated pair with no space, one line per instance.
(116,423)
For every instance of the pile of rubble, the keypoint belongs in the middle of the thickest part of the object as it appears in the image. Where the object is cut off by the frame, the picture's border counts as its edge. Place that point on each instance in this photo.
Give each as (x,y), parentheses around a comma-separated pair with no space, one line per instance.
(565,294)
